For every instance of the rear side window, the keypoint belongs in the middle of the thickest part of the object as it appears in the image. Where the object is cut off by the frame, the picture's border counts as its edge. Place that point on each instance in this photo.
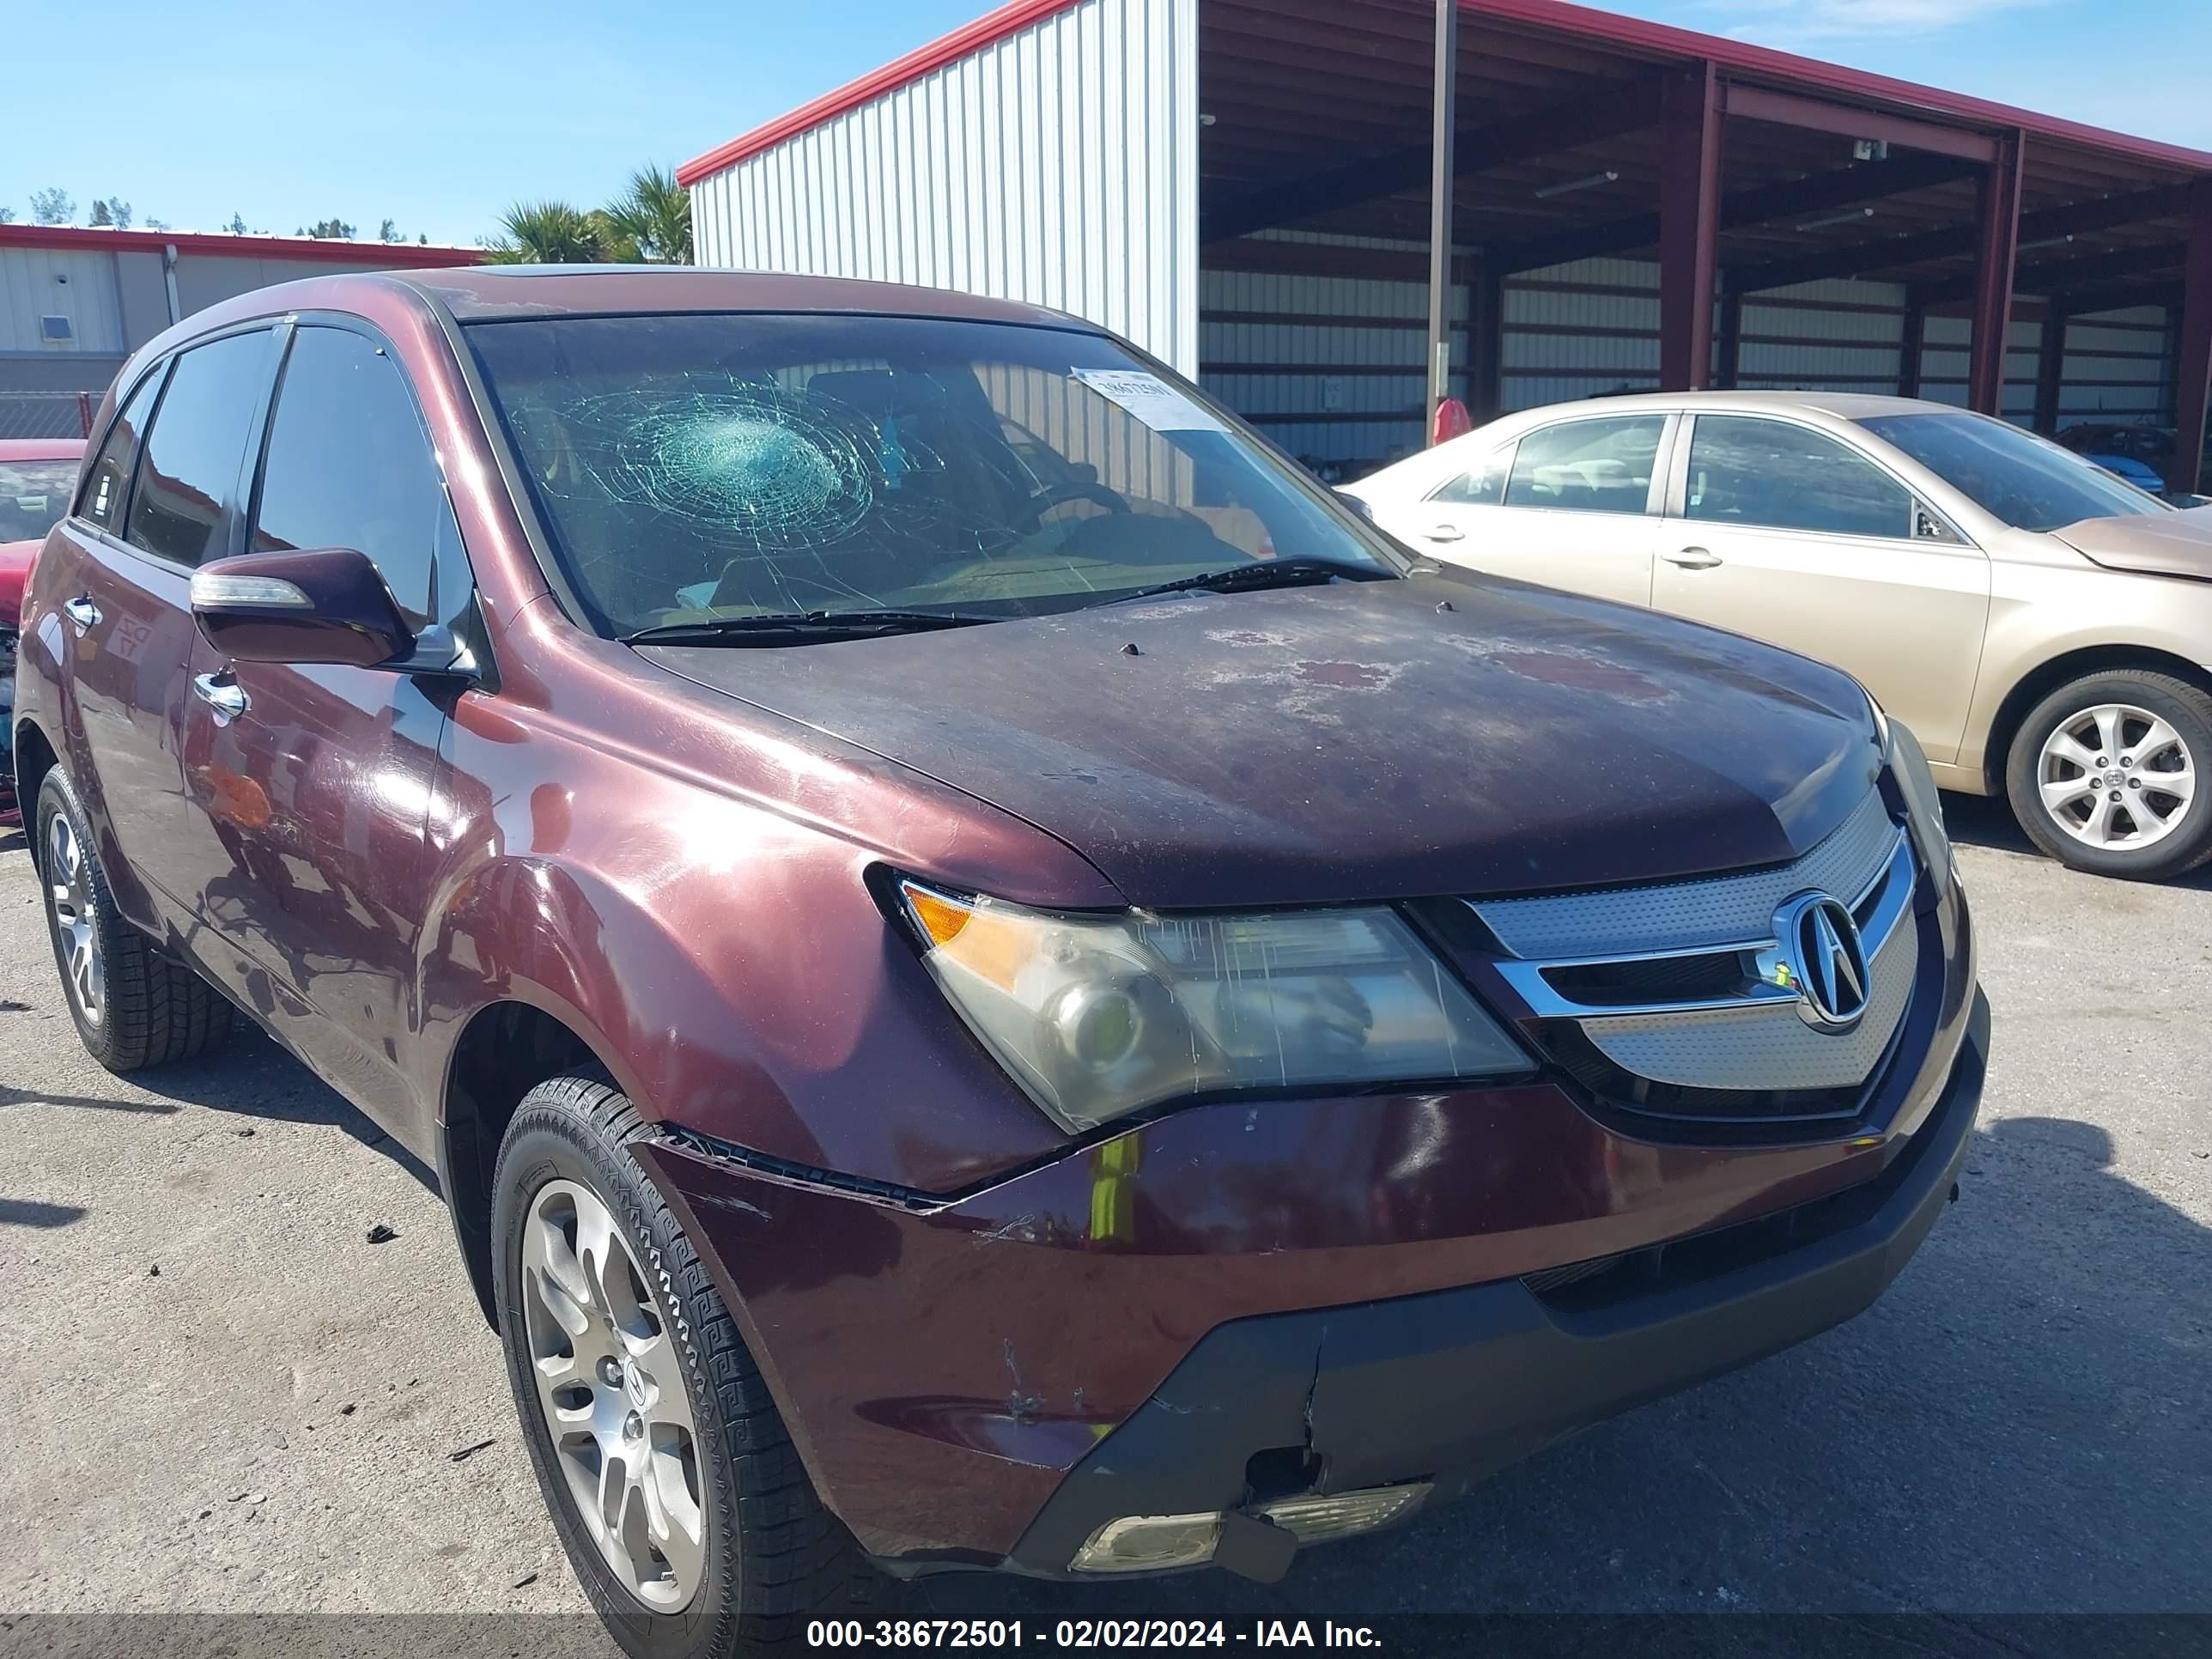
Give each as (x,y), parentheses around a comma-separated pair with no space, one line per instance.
(1747,471)
(349,465)
(109,480)
(1588,466)
(1482,484)
(198,446)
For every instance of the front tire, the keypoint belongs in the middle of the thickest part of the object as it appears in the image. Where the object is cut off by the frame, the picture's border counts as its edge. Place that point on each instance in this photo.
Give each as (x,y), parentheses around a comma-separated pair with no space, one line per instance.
(133,1007)
(2103,772)
(673,1484)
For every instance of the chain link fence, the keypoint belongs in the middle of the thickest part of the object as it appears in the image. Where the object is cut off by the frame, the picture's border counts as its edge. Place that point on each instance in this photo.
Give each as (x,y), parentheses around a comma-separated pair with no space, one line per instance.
(46,414)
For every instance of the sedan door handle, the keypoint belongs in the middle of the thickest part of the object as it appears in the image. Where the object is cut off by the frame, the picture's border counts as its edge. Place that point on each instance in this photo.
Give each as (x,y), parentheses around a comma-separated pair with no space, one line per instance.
(82,611)
(1693,558)
(222,693)
(1445,532)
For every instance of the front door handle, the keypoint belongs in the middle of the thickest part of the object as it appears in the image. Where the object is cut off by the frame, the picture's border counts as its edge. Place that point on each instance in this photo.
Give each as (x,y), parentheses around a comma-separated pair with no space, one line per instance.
(1445,532)
(222,693)
(1693,558)
(82,611)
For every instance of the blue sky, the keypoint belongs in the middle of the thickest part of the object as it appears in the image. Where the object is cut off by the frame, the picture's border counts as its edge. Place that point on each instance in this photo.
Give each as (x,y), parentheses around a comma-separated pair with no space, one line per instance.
(439,115)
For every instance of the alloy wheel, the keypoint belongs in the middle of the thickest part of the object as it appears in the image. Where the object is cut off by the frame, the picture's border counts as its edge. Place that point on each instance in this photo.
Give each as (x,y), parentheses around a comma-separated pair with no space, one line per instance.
(611,1385)
(2116,777)
(76,918)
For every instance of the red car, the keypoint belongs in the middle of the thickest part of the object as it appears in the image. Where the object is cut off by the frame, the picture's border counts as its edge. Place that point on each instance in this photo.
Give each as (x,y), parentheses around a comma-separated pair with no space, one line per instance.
(992,978)
(37,477)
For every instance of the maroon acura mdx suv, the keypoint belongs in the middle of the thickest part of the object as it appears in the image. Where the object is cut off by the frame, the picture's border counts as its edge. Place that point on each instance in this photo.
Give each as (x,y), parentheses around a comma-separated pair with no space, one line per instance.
(992,978)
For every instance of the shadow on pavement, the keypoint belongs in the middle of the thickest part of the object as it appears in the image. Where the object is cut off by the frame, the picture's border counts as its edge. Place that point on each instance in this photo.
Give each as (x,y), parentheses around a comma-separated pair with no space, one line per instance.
(249,1077)
(2021,1425)
(1986,821)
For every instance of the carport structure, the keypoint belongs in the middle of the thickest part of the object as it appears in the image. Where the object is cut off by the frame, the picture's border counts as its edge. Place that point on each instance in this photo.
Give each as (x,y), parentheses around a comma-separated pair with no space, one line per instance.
(1248,188)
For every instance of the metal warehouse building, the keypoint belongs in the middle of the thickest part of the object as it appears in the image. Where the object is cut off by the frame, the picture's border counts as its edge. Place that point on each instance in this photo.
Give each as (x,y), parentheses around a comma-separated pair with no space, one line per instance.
(1244,187)
(75,303)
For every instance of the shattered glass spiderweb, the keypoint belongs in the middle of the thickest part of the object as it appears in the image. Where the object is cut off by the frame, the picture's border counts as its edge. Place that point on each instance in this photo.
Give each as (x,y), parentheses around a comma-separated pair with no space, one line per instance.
(740,462)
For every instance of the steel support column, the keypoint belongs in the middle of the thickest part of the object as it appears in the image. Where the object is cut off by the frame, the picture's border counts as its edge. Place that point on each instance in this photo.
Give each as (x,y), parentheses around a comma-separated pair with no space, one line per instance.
(1444,116)
(2192,358)
(2050,367)
(1689,227)
(1910,347)
(1485,341)
(1999,248)
(1731,342)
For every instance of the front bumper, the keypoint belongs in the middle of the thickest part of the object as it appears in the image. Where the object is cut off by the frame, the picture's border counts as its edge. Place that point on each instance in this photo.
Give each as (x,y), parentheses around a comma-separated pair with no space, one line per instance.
(1451,1387)
(958,1374)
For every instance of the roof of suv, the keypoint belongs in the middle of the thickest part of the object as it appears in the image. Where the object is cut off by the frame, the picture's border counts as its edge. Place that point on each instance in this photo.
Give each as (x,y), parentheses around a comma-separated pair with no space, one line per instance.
(482,293)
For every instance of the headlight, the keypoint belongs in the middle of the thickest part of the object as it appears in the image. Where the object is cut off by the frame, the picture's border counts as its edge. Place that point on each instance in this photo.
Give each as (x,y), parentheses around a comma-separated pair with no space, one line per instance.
(1100,1015)
(1923,804)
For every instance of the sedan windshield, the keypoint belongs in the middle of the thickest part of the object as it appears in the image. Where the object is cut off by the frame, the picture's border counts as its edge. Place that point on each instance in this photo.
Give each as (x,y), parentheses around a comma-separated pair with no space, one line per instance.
(33,495)
(698,468)
(2012,475)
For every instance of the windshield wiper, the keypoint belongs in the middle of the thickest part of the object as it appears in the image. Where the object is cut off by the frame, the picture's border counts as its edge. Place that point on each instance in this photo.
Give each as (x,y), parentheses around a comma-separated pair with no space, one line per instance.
(1297,572)
(783,628)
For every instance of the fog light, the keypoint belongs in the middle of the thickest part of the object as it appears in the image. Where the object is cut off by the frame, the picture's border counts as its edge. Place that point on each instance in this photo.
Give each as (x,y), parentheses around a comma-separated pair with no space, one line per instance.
(1315,1519)
(1151,1543)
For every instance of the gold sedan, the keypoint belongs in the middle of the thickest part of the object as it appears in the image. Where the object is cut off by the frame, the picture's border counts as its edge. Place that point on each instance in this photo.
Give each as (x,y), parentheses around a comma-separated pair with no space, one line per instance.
(2042,627)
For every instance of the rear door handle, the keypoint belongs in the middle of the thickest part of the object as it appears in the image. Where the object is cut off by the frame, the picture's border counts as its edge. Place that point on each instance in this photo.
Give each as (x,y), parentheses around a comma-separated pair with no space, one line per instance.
(222,693)
(1693,558)
(82,611)
(1444,532)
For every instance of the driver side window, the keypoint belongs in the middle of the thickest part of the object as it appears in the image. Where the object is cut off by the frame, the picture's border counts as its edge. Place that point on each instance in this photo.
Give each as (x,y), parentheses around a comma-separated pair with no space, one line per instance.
(349,465)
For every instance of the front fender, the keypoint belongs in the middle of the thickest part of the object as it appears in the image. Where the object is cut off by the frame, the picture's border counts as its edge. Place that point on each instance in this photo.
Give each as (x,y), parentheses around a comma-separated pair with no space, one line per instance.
(733,972)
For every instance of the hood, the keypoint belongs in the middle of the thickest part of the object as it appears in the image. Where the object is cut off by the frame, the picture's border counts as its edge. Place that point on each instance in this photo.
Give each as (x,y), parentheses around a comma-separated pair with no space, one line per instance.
(2148,543)
(1450,733)
(14,572)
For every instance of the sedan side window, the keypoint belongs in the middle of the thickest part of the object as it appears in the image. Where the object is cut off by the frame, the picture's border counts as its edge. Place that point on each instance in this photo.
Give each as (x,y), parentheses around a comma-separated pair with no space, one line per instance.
(349,465)
(109,480)
(1588,466)
(1779,476)
(197,447)
(1482,485)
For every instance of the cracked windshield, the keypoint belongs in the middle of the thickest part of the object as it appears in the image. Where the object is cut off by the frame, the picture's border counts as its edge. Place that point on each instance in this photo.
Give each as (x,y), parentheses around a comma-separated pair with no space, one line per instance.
(699,469)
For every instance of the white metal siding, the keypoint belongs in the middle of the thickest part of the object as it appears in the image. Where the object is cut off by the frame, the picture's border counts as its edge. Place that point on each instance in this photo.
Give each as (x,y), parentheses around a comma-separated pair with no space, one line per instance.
(80,285)
(2118,368)
(1058,166)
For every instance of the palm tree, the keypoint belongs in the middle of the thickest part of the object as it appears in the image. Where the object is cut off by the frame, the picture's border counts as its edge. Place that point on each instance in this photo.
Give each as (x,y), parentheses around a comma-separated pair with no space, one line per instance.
(656,217)
(550,233)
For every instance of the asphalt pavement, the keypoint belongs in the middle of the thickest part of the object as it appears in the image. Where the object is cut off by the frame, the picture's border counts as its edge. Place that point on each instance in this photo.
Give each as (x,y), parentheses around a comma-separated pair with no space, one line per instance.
(223,1397)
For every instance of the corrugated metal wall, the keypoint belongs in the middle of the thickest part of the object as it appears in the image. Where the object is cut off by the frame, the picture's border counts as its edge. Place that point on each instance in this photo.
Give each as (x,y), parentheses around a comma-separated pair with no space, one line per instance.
(1058,166)
(36,282)
(1330,366)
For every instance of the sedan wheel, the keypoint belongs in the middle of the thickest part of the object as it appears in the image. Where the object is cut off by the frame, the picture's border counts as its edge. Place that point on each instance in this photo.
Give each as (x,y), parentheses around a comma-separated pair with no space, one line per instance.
(2102,773)
(611,1390)
(2116,776)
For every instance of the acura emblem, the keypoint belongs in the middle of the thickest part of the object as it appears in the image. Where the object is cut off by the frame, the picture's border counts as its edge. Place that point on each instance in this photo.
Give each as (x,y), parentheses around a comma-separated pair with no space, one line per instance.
(1825,959)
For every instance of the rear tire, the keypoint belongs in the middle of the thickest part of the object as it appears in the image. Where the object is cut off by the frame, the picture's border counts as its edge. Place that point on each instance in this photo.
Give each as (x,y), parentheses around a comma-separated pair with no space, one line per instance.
(766,1556)
(2084,772)
(133,1005)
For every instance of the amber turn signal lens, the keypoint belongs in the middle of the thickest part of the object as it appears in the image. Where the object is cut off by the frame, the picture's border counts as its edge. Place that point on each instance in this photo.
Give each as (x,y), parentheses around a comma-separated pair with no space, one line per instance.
(940,918)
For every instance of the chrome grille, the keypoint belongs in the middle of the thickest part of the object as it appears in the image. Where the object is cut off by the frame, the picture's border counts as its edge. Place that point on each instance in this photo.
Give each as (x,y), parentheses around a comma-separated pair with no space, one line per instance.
(1673,986)
(1763,1047)
(1681,915)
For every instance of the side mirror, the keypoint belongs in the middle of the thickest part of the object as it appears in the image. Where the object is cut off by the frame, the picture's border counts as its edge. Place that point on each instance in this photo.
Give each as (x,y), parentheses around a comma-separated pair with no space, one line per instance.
(1355,504)
(325,604)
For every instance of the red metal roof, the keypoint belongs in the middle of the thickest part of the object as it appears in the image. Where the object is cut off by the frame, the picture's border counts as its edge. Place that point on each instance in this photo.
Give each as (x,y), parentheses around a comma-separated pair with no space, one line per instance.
(312,249)
(1009,19)
(1597,28)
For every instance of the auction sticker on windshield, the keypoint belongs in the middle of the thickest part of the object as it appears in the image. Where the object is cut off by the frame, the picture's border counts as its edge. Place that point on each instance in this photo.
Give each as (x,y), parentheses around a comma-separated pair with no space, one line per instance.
(1150,399)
